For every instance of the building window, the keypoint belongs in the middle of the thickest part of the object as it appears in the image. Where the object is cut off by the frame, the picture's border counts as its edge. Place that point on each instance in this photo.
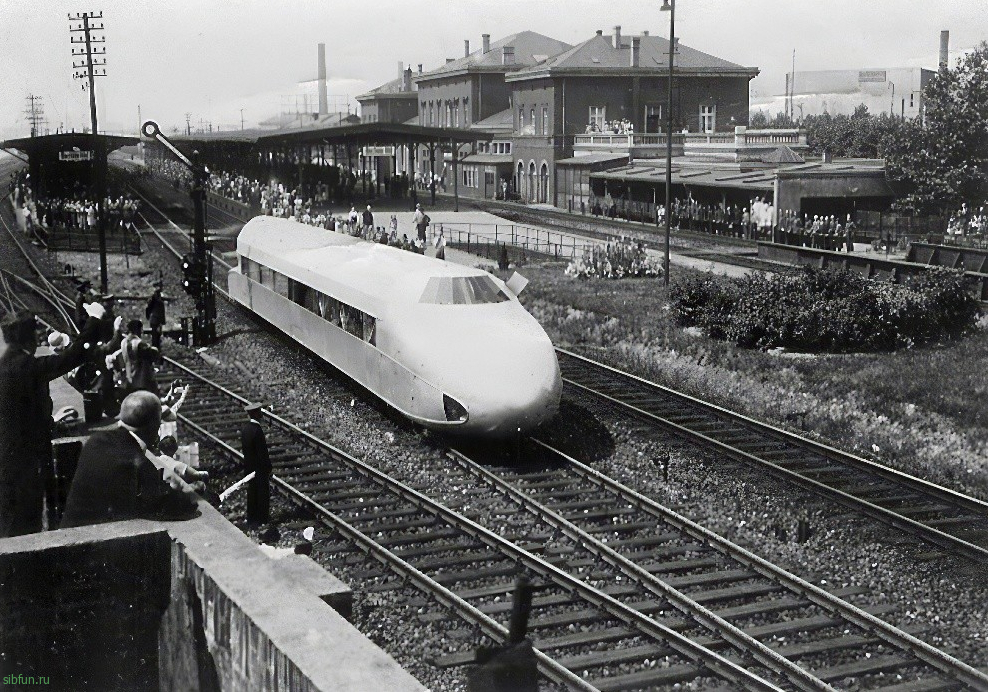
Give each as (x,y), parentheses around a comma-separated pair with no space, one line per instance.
(598,114)
(912,103)
(456,113)
(532,121)
(431,115)
(545,120)
(653,118)
(470,176)
(449,113)
(521,117)
(708,118)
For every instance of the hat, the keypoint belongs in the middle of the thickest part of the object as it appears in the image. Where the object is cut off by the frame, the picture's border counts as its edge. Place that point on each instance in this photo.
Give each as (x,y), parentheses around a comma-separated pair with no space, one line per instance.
(58,340)
(250,408)
(84,285)
(106,298)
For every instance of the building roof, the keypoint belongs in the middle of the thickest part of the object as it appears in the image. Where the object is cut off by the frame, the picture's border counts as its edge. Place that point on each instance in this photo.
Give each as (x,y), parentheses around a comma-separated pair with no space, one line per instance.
(530,49)
(590,159)
(782,154)
(598,56)
(61,140)
(502,121)
(392,89)
(489,159)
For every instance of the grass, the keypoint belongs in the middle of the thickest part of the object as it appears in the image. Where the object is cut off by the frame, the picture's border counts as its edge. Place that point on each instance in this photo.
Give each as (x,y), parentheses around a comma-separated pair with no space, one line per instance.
(924,410)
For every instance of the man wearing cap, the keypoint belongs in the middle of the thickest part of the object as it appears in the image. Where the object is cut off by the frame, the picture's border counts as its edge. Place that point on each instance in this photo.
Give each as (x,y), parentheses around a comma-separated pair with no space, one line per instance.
(25,416)
(256,460)
(155,314)
(119,477)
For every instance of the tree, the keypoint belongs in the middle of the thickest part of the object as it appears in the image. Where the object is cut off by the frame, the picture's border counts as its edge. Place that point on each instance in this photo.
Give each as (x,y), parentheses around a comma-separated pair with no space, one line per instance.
(942,162)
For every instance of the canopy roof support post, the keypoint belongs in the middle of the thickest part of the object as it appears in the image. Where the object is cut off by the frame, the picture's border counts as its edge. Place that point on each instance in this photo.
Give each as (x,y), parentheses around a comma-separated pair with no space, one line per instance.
(432,171)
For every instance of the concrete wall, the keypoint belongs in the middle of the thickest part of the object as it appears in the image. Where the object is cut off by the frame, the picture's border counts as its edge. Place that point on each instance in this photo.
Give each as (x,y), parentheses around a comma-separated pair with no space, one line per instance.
(185,606)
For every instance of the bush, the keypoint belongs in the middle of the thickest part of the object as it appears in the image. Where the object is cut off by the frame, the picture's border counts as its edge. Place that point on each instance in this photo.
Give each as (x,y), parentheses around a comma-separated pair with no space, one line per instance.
(825,310)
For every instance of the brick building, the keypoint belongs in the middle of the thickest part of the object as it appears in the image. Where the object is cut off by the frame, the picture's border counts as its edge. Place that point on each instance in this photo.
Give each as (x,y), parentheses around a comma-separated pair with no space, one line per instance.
(616,78)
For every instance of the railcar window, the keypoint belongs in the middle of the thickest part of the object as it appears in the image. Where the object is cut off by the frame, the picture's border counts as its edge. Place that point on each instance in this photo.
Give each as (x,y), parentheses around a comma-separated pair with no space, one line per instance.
(346,317)
(462,290)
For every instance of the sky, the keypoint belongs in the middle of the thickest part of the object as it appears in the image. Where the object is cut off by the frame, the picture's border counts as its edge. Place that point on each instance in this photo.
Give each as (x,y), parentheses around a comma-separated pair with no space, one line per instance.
(212,58)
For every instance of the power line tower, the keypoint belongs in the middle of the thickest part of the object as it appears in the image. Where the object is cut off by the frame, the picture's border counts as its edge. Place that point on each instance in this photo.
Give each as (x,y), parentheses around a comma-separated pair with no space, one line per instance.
(35,114)
(89,62)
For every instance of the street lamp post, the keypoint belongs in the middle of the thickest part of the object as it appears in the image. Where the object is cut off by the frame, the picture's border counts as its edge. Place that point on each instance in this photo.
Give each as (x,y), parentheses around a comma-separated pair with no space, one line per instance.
(670,7)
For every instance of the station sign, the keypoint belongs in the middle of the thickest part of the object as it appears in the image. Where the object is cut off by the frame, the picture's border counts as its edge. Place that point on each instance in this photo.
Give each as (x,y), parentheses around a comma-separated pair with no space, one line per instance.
(75,155)
(872,76)
(378,151)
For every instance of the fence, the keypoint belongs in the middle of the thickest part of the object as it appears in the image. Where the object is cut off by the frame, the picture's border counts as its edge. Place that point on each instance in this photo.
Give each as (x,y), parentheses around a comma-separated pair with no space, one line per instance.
(874,225)
(485,239)
(118,241)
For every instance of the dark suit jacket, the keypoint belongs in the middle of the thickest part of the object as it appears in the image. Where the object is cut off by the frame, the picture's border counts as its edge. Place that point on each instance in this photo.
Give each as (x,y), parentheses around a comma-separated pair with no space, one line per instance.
(115,481)
(25,402)
(255,449)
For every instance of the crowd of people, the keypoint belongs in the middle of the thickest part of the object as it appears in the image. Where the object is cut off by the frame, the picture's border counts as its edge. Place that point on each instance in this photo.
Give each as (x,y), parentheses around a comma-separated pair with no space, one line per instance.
(79,212)
(611,127)
(969,223)
(623,259)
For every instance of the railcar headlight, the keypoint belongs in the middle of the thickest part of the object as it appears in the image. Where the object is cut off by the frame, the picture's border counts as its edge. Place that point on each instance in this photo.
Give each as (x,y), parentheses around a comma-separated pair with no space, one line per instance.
(454,409)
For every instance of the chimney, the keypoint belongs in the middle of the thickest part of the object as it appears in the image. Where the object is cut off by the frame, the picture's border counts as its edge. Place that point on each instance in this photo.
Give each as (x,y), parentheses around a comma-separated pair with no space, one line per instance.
(645,33)
(486,38)
(323,93)
(406,80)
(600,32)
(508,55)
(420,68)
(944,42)
(449,60)
(466,47)
(636,47)
(617,36)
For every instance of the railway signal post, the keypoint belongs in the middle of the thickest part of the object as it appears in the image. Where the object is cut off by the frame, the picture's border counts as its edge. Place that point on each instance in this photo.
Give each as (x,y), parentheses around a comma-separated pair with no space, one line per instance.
(197,267)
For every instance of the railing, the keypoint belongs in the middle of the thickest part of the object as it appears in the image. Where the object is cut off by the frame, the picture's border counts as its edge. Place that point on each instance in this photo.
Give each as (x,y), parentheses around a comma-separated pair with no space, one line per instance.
(486,239)
(126,242)
(788,137)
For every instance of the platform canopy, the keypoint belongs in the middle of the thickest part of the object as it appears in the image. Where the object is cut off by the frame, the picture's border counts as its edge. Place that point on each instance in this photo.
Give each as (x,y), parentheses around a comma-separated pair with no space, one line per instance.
(362,134)
(49,145)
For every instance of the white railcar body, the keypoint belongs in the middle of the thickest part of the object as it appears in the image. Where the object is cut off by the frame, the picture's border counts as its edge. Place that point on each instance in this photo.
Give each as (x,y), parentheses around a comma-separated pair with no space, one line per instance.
(448,346)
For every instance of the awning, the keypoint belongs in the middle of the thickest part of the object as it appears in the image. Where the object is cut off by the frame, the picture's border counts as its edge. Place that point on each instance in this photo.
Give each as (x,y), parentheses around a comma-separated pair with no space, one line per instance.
(591,159)
(488,159)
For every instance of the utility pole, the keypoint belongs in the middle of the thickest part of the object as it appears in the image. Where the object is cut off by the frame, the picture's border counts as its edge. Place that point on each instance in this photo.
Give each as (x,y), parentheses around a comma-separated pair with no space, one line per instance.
(188,123)
(92,64)
(35,113)
(241,118)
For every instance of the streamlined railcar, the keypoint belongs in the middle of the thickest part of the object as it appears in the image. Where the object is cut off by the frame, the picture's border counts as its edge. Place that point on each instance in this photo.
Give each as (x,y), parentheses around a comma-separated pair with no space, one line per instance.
(447,346)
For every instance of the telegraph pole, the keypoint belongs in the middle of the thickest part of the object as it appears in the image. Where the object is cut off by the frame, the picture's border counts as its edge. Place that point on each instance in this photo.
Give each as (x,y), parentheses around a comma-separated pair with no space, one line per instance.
(35,113)
(92,64)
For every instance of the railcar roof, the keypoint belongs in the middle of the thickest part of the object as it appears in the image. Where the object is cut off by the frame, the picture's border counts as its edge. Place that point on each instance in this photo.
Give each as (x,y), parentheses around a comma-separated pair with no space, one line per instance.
(365,274)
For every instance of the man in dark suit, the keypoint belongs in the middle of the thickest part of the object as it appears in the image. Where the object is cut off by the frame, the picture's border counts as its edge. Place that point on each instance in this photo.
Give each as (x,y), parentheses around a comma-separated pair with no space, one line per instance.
(116,478)
(25,415)
(256,460)
(155,313)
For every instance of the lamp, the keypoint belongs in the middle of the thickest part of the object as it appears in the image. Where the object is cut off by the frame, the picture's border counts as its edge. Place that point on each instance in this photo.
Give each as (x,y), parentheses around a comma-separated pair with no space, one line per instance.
(670,7)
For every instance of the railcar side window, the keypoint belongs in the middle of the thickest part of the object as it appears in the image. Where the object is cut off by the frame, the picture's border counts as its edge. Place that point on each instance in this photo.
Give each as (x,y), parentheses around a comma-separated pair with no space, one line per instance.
(462,290)
(352,320)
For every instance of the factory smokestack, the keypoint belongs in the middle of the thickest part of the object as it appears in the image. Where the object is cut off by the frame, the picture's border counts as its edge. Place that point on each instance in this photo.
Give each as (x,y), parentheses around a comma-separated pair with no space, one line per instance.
(323,93)
(944,43)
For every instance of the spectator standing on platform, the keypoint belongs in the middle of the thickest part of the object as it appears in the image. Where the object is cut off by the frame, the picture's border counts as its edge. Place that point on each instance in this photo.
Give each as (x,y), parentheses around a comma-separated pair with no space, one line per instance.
(25,416)
(116,478)
(136,359)
(421,221)
(155,314)
(368,220)
(256,460)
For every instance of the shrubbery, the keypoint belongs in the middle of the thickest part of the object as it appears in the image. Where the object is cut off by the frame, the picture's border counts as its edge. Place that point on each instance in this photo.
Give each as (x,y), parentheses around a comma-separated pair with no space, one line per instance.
(825,310)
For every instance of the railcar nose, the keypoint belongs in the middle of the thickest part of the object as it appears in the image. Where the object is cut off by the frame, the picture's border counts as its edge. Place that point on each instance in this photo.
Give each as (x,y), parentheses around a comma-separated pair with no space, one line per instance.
(516,385)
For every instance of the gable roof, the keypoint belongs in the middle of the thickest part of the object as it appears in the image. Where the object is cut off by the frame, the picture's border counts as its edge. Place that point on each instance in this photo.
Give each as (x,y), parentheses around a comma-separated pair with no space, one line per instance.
(392,88)
(782,154)
(530,49)
(598,56)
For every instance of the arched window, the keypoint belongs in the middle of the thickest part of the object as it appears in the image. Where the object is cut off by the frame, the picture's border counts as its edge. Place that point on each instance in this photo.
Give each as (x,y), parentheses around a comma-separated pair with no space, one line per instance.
(532,182)
(544,183)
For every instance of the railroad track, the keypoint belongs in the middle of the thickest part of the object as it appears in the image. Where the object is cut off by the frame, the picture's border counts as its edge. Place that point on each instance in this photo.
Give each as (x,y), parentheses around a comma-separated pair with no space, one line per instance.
(949,520)
(707,577)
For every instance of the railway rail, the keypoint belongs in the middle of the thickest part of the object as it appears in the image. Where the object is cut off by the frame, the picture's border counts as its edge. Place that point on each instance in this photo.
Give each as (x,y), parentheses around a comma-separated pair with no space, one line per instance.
(952,521)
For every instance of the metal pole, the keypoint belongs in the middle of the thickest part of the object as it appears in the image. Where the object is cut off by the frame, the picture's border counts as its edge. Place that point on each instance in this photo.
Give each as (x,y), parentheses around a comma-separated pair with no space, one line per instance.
(672,52)
(456,175)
